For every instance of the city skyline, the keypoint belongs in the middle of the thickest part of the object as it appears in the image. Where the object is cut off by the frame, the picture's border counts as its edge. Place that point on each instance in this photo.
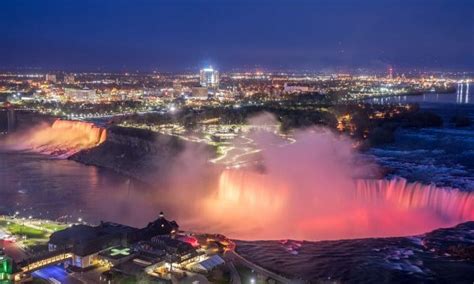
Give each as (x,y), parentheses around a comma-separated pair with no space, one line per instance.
(236,35)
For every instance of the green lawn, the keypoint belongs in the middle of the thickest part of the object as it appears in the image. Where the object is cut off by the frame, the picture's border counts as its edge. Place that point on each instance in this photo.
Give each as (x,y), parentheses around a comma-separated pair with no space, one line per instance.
(20,229)
(53,226)
(36,244)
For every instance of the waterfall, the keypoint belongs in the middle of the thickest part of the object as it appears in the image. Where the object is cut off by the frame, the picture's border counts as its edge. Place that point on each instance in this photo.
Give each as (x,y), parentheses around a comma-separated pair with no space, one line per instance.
(447,202)
(268,206)
(63,138)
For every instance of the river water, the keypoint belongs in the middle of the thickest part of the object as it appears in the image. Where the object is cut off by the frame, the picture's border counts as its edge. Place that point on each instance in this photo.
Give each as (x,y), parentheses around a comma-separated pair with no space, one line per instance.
(42,186)
(443,156)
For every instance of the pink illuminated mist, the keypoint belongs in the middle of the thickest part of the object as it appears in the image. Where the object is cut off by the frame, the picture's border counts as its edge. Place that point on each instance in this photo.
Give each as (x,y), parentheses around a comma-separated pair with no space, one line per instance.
(317,188)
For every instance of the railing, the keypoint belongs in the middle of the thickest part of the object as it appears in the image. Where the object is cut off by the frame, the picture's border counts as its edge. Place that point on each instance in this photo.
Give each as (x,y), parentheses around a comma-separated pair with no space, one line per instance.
(38,264)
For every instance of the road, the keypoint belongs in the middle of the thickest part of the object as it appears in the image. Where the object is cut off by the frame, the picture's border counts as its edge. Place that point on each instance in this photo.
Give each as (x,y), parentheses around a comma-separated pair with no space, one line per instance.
(13,250)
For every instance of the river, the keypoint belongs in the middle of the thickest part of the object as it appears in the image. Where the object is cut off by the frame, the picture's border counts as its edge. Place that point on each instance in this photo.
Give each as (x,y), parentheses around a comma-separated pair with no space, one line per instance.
(444,156)
(46,187)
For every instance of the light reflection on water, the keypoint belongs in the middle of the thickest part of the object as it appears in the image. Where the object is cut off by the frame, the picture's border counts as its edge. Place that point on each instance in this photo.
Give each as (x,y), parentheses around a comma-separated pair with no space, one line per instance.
(42,186)
(463,95)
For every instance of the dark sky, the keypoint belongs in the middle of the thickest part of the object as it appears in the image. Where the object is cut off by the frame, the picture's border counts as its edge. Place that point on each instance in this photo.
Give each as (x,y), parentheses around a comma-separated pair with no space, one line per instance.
(174,35)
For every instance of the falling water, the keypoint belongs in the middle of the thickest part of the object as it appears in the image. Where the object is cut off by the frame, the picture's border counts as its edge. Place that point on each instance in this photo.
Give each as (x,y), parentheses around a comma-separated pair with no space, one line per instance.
(261,206)
(450,203)
(62,138)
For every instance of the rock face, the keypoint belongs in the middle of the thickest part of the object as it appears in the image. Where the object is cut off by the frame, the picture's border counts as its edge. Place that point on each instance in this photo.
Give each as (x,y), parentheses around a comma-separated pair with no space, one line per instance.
(133,152)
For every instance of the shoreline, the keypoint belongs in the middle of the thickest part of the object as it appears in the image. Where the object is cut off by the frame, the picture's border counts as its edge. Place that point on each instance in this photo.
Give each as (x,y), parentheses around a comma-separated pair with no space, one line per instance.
(366,99)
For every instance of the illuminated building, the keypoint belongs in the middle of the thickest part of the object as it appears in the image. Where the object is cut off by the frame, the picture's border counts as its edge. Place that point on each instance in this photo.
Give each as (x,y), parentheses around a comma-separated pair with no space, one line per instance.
(178,88)
(390,73)
(209,78)
(208,264)
(86,242)
(6,268)
(80,95)
(343,76)
(50,78)
(153,92)
(295,89)
(200,93)
(69,79)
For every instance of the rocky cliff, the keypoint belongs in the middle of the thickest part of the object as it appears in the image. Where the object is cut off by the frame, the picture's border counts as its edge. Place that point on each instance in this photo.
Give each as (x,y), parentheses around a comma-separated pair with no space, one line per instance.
(133,152)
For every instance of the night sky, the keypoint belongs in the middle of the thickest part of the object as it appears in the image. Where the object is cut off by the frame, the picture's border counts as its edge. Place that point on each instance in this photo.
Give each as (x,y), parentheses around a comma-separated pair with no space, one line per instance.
(183,35)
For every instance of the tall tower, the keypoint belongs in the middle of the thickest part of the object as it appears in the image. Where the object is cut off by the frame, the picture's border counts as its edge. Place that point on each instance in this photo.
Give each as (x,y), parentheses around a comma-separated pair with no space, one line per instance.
(51,78)
(390,73)
(209,78)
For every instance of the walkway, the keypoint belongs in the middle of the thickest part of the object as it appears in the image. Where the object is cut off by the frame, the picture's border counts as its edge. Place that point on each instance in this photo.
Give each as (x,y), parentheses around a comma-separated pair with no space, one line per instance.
(234,274)
(262,270)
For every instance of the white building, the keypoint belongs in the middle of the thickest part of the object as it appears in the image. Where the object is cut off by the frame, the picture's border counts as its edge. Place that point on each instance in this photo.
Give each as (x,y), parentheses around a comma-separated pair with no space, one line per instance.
(208,264)
(80,95)
(209,78)
(295,89)
(152,92)
(69,79)
(50,78)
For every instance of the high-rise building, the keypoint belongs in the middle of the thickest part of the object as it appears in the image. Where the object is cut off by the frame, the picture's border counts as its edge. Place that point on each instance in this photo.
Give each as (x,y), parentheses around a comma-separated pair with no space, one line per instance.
(209,78)
(177,88)
(51,78)
(390,72)
(69,79)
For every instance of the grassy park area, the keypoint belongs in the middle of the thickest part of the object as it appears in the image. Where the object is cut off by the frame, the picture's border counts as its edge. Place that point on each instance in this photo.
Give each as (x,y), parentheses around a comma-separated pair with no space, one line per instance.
(53,226)
(20,229)
(31,232)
